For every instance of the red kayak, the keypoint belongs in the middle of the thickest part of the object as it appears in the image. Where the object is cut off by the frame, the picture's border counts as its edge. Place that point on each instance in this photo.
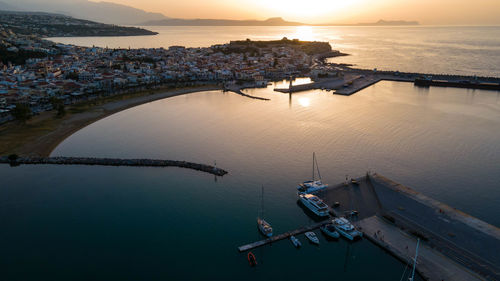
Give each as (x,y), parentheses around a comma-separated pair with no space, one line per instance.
(251,259)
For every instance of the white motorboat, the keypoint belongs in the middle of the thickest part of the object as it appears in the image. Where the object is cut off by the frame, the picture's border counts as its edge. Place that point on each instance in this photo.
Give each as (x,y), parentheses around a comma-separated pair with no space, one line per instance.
(312,185)
(295,241)
(313,203)
(346,229)
(330,231)
(312,237)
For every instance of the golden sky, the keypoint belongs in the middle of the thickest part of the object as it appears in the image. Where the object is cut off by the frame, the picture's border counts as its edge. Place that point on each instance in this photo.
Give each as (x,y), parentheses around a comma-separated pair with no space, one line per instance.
(477,12)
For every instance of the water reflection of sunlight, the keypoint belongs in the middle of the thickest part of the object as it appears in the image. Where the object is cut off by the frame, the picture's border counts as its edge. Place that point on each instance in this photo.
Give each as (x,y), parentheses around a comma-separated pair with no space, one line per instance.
(304,33)
(304,102)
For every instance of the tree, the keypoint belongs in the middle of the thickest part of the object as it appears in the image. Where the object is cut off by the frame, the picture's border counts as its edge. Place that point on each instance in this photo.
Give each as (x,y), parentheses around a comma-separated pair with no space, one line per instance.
(59,106)
(22,112)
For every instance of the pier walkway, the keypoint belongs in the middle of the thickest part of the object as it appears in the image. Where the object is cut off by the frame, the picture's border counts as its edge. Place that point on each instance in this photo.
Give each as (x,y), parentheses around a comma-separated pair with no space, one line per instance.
(281,236)
(112,162)
(431,264)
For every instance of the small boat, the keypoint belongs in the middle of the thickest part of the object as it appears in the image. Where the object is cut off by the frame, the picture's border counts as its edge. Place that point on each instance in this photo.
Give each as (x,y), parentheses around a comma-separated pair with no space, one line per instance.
(313,203)
(330,231)
(355,182)
(312,237)
(312,185)
(346,229)
(251,259)
(295,241)
(264,227)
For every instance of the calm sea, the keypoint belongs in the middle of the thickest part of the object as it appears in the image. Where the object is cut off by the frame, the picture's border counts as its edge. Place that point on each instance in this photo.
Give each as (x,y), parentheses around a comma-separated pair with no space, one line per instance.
(467,50)
(109,223)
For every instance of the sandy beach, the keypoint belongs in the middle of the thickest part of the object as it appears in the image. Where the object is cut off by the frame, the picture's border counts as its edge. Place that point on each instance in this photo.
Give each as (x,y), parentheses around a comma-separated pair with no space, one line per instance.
(43,133)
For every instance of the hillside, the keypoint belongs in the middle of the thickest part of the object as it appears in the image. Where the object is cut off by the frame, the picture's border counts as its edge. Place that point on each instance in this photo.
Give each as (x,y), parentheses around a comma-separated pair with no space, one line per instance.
(105,12)
(55,25)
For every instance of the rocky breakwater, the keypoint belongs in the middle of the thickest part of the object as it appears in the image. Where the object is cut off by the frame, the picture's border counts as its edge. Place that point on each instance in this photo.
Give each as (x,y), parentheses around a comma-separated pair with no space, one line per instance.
(14,160)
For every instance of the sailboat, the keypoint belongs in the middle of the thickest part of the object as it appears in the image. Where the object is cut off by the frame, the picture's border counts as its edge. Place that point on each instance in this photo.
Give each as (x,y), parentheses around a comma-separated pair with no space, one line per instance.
(312,185)
(264,227)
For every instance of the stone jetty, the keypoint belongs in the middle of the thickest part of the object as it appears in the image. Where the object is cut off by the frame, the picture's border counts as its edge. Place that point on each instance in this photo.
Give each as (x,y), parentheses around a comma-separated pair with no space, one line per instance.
(15,161)
(237,90)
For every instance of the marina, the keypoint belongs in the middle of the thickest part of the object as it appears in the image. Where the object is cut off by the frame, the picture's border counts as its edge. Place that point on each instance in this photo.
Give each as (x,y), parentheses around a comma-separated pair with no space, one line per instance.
(354,80)
(393,217)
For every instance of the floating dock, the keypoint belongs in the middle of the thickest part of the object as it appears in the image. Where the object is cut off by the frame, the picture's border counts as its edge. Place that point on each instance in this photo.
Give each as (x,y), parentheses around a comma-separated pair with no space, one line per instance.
(112,162)
(282,236)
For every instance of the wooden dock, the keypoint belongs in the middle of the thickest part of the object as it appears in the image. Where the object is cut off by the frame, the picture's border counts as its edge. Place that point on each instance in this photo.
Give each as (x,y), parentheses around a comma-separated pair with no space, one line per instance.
(282,236)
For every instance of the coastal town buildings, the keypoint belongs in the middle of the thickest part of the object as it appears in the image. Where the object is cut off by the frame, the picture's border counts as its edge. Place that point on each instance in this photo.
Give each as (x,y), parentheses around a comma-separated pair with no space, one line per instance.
(73,74)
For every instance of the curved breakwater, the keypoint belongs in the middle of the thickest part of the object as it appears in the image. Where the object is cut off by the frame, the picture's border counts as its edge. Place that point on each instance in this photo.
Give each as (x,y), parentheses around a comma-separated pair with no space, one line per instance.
(112,162)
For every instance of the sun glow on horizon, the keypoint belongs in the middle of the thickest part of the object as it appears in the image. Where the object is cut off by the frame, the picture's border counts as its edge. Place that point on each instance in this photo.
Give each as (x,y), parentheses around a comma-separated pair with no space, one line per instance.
(307,9)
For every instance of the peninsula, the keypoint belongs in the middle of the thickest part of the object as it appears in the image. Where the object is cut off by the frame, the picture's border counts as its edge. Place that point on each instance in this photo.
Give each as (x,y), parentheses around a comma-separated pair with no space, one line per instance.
(56,25)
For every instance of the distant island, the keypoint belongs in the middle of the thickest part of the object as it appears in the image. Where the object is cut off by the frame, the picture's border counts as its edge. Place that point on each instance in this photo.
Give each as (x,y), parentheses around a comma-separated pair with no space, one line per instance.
(56,25)
(269,22)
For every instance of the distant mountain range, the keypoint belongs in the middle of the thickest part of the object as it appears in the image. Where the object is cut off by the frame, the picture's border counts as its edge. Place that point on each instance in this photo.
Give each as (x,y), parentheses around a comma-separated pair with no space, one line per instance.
(104,12)
(221,22)
(269,22)
(111,13)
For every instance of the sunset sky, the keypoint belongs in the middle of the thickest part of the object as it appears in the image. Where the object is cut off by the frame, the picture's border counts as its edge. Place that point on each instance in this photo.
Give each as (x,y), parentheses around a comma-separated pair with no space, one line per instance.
(321,11)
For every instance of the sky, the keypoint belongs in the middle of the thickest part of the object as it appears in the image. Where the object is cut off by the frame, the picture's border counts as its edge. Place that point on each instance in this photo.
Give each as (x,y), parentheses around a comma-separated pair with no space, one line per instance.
(477,12)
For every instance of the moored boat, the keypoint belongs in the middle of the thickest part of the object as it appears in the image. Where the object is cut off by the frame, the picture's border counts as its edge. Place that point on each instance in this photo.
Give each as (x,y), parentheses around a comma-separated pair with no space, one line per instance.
(313,203)
(312,237)
(346,229)
(264,227)
(251,259)
(313,185)
(295,241)
(330,231)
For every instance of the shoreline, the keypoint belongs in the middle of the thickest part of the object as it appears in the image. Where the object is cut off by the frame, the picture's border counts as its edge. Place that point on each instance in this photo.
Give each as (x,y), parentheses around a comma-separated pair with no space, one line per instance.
(43,133)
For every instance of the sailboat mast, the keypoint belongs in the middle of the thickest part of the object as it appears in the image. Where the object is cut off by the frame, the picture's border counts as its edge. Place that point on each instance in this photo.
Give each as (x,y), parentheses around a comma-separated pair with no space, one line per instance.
(317,168)
(262,203)
(415,262)
(314,162)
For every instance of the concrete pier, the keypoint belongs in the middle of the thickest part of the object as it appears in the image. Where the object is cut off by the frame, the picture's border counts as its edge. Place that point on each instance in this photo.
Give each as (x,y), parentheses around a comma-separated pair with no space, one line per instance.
(355,80)
(431,264)
(112,162)
(456,245)
(237,90)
